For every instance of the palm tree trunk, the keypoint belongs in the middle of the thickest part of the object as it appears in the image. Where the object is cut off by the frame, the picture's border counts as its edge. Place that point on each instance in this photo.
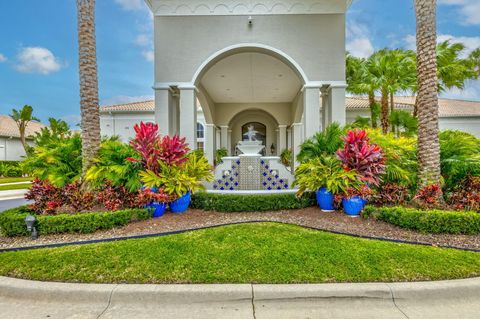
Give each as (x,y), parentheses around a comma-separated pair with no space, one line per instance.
(384,104)
(371,103)
(427,97)
(88,81)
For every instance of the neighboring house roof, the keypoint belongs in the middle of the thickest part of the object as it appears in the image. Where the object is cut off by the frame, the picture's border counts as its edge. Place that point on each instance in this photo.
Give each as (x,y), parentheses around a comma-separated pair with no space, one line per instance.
(9,128)
(447,107)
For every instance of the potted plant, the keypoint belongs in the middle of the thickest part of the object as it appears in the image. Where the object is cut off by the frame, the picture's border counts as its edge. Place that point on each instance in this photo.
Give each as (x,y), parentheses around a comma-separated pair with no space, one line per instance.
(355,200)
(156,200)
(325,176)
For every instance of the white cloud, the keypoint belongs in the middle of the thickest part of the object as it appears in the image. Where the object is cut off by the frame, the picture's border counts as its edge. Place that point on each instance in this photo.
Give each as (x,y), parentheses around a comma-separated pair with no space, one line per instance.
(471,43)
(2,58)
(37,60)
(149,55)
(143,40)
(124,99)
(358,40)
(468,9)
(131,5)
(470,92)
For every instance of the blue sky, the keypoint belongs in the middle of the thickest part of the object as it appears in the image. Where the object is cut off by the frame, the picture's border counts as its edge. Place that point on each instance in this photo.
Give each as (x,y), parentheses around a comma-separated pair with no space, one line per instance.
(38,51)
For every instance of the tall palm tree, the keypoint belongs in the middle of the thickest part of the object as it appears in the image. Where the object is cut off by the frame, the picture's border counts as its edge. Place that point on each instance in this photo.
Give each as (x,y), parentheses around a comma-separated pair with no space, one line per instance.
(88,81)
(427,97)
(22,117)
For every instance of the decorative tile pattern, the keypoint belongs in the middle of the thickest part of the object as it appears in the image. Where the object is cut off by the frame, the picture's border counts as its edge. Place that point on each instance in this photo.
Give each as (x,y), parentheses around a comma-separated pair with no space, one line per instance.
(250,171)
(270,178)
(229,180)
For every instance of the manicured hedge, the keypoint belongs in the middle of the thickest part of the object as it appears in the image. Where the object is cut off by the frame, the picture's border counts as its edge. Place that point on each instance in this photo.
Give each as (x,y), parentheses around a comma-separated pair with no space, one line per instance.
(12,222)
(428,221)
(250,203)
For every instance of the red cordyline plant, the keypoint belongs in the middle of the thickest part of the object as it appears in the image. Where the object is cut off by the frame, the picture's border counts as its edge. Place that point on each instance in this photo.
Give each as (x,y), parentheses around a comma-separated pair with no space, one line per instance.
(360,155)
(152,148)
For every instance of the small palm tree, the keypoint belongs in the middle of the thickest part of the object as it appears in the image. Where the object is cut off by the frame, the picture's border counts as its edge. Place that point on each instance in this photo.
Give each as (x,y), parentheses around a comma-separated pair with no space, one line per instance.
(427,97)
(88,82)
(322,143)
(22,118)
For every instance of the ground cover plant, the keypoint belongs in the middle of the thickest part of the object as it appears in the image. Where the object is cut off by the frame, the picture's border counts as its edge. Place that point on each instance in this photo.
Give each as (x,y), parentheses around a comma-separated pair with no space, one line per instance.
(248,253)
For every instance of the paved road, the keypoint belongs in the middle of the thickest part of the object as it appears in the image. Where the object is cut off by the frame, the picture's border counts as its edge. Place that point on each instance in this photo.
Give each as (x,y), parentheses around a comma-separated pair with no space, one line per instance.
(423,300)
(11,203)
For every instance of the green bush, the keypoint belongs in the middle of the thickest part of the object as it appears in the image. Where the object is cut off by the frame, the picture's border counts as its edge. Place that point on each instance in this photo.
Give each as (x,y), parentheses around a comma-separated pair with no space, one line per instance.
(428,221)
(10,169)
(250,203)
(12,222)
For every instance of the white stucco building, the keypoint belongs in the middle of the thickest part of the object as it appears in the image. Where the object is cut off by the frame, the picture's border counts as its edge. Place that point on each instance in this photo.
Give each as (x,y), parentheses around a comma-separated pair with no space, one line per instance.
(11,148)
(273,62)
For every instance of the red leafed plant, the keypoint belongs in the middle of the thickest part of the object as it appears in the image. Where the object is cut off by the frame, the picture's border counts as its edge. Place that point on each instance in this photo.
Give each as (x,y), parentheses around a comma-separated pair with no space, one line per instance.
(117,197)
(46,197)
(428,196)
(391,194)
(173,150)
(77,198)
(466,195)
(152,148)
(364,192)
(360,155)
(146,196)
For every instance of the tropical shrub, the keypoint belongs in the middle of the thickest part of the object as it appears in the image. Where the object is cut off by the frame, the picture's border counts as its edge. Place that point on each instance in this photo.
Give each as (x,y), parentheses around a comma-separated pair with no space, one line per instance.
(322,143)
(286,157)
(219,154)
(57,160)
(326,171)
(146,144)
(365,158)
(428,196)
(391,194)
(400,157)
(77,198)
(459,157)
(363,191)
(118,197)
(10,169)
(427,221)
(112,167)
(466,196)
(173,150)
(402,122)
(46,197)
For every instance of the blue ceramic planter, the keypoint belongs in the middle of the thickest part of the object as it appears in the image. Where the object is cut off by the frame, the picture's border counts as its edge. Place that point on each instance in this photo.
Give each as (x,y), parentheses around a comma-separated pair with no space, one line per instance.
(353,206)
(325,200)
(159,209)
(181,205)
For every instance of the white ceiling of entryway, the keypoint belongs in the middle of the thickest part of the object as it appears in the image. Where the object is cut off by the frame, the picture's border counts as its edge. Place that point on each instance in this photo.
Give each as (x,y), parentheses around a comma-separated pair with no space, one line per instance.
(251,78)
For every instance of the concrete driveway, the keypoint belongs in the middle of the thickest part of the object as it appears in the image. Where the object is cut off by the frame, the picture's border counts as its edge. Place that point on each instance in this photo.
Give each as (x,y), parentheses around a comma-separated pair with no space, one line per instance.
(443,299)
(11,203)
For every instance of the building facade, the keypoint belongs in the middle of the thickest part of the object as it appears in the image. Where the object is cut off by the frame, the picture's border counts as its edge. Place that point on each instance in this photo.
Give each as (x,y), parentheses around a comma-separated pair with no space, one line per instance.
(278,64)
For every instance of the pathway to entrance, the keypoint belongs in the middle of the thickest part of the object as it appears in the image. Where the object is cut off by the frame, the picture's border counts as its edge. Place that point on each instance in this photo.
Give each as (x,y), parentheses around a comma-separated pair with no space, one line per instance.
(443,299)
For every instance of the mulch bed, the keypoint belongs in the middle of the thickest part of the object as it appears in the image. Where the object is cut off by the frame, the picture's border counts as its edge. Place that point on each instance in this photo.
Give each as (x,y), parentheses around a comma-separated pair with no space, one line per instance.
(309,217)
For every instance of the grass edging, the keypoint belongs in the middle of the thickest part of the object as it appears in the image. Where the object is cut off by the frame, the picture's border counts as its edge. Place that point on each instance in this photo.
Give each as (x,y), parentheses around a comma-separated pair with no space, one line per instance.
(230,203)
(427,221)
(12,222)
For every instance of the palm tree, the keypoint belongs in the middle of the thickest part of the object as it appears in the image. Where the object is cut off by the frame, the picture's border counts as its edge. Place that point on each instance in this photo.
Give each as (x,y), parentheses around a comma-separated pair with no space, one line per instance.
(88,82)
(474,60)
(427,97)
(22,118)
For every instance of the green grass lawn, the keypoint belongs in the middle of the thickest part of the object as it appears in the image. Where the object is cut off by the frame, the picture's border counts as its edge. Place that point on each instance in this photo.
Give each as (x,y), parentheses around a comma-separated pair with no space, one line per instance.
(15,186)
(248,253)
(4,180)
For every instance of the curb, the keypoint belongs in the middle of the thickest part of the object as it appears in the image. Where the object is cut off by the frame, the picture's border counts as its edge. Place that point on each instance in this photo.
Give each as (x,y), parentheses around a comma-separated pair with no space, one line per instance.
(418,292)
(12,194)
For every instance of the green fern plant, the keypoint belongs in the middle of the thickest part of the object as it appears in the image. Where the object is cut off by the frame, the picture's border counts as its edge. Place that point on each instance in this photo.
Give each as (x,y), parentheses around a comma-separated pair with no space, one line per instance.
(322,143)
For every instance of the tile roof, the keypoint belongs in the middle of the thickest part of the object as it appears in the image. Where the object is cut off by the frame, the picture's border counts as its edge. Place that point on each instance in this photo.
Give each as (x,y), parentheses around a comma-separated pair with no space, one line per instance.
(9,128)
(447,107)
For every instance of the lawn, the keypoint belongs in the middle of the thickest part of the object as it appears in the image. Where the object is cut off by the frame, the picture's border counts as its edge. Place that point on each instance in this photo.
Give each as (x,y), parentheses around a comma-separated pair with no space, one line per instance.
(14,186)
(5,180)
(247,253)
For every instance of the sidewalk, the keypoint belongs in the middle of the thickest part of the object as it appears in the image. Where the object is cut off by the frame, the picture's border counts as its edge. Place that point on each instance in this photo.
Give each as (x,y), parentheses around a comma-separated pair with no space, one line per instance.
(443,299)
(12,194)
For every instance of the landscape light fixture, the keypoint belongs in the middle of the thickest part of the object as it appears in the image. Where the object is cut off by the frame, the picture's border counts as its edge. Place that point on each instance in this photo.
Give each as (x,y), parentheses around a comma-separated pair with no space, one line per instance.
(30,222)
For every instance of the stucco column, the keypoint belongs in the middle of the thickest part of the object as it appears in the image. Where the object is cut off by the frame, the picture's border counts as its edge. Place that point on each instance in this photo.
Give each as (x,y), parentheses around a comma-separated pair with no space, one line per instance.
(218,139)
(229,142)
(210,133)
(297,139)
(188,116)
(337,104)
(311,109)
(224,136)
(289,138)
(282,138)
(164,112)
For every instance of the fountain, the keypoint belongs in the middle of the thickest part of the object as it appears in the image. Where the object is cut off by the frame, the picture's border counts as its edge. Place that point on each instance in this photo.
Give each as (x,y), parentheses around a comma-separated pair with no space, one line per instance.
(252,146)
